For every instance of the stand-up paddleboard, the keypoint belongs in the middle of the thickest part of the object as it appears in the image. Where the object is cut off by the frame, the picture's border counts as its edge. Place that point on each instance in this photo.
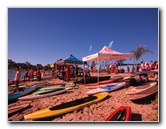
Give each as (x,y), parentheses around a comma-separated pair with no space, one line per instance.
(17,108)
(141,88)
(144,94)
(27,90)
(47,90)
(111,80)
(123,113)
(66,107)
(37,96)
(107,88)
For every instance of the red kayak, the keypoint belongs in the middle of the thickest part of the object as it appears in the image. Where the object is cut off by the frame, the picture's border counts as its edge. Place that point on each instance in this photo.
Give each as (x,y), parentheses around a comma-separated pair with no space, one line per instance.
(123,113)
(112,80)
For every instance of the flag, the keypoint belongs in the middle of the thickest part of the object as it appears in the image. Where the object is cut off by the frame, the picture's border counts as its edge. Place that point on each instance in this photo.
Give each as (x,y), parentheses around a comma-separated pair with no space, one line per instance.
(110,44)
(90,48)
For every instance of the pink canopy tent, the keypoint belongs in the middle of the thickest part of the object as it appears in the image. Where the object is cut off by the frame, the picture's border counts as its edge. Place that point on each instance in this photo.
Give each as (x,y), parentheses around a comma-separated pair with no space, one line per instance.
(107,54)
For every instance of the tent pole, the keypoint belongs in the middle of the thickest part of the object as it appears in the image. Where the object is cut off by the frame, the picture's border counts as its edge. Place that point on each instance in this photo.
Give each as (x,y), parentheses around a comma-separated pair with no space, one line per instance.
(98,72)
(84,72)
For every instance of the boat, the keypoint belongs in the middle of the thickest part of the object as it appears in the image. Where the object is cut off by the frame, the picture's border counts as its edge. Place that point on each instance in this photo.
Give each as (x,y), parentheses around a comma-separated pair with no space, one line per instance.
(107,88)
(47,90)
(144,94)
(123,113)
(112,80)
(37,96)
(16,108)
(66,107)
(27,90)
(141,88)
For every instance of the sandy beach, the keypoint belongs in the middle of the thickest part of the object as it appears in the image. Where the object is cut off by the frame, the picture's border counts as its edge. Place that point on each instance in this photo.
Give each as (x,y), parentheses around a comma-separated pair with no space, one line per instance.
(142,111)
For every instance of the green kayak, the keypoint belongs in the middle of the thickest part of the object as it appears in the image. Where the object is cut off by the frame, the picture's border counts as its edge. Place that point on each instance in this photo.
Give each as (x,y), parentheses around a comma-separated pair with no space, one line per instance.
(48,90)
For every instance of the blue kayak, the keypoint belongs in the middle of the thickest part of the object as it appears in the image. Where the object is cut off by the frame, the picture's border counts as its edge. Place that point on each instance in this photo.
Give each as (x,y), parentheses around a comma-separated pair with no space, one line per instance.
(27,90)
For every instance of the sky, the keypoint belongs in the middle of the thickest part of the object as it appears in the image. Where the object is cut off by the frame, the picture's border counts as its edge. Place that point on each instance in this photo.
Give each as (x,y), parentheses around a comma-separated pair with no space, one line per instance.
(44,35)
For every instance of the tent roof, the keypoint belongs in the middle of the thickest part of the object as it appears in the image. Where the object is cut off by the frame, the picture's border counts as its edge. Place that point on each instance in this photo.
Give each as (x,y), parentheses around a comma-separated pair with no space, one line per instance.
(107,54)
(69,60)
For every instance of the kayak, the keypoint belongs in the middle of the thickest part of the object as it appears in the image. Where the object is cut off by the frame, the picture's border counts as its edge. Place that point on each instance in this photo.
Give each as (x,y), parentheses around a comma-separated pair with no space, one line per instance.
(107,88)
(112,80)
(47,90)
(37,96)
(17,108)
(66,107)
(27,90)
(141,88)
(144,94)
(123,113)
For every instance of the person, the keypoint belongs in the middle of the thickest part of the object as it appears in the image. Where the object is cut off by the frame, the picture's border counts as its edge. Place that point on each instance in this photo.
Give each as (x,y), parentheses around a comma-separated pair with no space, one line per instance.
(68,73)
(133,69)
(128,69)
(17,79)
(63,75)
(152,65)
(53,72)
(43,73)
(148,67)
(26,76)
(107,68)
(142,65)
(38,74)
(31,74)
(156,65)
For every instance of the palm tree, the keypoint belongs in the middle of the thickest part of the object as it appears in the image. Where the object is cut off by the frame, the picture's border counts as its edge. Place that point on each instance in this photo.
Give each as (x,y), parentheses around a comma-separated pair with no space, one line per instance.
(139,52)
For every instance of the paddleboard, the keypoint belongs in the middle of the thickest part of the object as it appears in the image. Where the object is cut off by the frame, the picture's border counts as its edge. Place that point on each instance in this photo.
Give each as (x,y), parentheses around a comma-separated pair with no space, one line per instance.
(47,90)
(37,96)
(17,108)
(144,94)
(27,90)
(107,88)
(123,113)
(66,107)
(141,88)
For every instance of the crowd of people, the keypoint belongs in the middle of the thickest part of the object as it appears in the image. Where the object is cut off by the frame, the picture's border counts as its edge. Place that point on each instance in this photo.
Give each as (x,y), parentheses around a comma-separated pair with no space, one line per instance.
(113,68)
(29,76)
(67,72)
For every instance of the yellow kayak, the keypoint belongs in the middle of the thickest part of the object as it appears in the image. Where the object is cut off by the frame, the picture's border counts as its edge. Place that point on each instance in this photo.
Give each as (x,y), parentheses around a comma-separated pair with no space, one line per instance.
(66,107)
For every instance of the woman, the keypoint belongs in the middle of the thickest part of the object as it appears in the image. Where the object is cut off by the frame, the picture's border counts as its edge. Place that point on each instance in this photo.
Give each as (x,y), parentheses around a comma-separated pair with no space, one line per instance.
(17,79)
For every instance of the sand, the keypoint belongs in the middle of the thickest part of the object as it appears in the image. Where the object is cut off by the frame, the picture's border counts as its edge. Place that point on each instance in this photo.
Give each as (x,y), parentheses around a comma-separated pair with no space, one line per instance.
(142,111)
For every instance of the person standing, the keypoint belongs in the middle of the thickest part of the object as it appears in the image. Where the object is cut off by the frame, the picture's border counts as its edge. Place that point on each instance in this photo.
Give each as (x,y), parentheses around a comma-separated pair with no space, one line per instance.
(31,74)
(128,69)
(68,73)
(17,79)
(38,74)
(43,73)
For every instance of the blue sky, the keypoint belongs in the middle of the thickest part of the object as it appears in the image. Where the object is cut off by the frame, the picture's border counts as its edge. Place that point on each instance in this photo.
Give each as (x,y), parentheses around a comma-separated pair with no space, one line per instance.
(44,35)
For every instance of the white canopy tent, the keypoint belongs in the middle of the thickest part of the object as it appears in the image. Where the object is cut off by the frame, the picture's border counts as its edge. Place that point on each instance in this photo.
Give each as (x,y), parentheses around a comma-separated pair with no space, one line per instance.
(107,54)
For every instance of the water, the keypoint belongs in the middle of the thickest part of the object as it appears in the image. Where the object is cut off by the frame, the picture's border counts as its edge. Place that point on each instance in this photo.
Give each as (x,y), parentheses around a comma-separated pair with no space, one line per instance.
(11,74)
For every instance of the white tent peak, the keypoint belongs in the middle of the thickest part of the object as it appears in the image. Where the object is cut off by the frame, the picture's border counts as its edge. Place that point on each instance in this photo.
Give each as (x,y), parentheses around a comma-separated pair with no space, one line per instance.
(107,54)
(106,49)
